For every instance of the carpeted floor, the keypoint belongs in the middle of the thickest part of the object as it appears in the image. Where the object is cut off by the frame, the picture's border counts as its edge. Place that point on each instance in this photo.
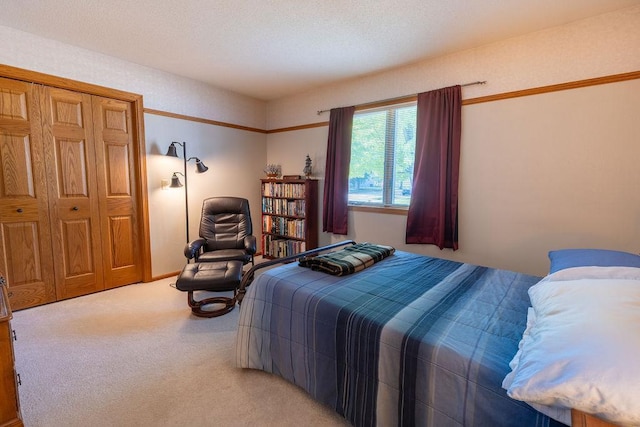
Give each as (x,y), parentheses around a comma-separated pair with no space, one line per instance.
(135,356)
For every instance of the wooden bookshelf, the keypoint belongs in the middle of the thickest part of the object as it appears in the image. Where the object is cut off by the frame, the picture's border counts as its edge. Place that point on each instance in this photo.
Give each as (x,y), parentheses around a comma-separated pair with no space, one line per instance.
(289,216)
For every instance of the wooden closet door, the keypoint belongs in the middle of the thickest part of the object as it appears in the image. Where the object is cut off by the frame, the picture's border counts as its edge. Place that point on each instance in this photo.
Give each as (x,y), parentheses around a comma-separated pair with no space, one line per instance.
(25,241)
(115,164)
(73,199)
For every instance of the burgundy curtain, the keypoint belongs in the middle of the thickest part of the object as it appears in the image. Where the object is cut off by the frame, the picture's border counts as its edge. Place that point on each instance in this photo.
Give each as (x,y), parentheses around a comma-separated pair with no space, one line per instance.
(336,178)
(433,210)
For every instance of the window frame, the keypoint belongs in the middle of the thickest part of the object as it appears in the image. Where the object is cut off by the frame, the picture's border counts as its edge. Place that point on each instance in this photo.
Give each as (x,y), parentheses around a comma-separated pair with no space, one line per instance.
(390,161)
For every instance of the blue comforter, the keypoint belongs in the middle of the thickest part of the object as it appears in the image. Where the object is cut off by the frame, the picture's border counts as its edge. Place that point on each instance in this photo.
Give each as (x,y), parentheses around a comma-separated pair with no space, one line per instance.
(411,340)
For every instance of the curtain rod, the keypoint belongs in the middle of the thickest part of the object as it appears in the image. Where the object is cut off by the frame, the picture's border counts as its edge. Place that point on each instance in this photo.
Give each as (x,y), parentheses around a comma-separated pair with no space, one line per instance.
(375,103)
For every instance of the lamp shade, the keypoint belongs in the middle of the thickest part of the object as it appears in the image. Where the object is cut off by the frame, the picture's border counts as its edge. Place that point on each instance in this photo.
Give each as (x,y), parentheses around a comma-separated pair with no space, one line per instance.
(172,152)
(175,181)
(200,167)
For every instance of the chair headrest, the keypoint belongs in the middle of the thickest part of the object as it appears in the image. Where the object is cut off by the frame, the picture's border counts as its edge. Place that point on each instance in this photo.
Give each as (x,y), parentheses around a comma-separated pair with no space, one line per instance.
(220,205)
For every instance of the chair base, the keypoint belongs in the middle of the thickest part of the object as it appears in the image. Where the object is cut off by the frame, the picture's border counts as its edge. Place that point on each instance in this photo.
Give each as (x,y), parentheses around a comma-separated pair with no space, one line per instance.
(212,277)
(197,307)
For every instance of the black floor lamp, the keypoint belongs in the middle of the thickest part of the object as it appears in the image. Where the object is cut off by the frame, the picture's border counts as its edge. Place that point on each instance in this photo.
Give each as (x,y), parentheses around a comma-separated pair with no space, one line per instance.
(175,181)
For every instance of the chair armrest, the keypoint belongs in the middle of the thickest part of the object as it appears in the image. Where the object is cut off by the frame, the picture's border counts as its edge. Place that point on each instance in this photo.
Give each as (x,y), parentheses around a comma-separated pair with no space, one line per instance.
(192,249)
(250,244)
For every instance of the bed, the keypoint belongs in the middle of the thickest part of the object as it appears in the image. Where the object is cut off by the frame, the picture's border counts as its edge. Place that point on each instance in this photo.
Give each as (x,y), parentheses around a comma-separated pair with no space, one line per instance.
(410,340)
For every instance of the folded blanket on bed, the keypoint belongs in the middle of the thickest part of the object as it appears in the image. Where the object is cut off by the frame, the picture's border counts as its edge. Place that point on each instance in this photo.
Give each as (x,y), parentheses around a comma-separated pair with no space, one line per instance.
(348,260)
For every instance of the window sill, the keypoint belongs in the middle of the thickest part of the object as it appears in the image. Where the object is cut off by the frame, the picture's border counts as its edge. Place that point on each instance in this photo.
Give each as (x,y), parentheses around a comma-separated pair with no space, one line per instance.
(379,209)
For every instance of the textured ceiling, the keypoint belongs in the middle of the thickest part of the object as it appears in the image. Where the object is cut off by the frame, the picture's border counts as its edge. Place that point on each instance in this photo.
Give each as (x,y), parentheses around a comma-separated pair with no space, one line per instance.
(268,49)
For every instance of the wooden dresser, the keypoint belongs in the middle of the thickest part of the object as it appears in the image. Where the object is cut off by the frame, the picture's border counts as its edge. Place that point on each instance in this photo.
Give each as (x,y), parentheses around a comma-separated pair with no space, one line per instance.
(581,419)
(9,404)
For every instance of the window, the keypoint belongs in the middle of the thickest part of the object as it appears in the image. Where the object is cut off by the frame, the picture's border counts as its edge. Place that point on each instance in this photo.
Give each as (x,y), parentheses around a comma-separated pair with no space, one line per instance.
(383,146)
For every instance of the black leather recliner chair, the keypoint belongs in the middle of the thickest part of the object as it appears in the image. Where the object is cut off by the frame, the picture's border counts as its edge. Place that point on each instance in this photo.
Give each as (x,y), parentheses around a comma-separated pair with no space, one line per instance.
(226,233)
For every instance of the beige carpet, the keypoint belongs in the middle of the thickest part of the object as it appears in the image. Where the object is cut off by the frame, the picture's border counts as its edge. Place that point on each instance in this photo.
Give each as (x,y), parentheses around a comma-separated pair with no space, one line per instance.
(135,356)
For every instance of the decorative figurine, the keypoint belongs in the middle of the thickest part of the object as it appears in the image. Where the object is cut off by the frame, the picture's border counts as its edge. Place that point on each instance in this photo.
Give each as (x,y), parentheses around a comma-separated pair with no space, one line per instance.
(272,170)
(307,167)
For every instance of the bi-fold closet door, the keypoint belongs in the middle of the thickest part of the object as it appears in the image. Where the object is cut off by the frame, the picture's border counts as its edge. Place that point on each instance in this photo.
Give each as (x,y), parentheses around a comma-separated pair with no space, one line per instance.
(69,211)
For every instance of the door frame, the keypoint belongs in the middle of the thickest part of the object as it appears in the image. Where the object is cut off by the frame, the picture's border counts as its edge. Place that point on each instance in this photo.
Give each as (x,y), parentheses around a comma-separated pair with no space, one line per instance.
(137,113)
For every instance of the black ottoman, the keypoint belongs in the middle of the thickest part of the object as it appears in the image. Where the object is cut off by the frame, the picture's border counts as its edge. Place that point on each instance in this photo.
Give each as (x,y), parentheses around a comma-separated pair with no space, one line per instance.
(210,276)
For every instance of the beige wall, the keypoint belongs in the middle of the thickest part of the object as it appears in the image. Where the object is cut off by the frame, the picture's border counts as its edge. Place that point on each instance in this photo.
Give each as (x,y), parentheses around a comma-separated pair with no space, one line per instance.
(550,171)
(537,172)
(235,159)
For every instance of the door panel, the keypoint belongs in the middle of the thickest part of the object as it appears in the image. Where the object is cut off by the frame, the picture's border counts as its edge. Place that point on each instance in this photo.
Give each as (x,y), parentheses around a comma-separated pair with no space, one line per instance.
(76,234)
(17,172)
(74,209)
(117,171)
(21,241)
(122,231)
(72,168)
(116,186)
(26,257)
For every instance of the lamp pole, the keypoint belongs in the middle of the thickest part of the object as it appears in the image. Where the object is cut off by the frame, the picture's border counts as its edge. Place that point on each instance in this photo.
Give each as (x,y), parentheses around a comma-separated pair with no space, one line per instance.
(186,187)
(200,168)
(173,153)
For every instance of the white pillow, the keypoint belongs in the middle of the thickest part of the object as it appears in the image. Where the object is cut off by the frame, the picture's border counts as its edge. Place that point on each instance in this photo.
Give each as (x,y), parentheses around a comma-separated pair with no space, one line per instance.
(557,413)
(583,350)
